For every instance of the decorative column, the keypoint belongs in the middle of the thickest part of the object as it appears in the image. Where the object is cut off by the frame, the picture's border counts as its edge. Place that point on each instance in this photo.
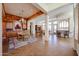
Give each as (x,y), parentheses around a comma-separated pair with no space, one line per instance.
(46,28)
(78,23)
(52,28)
(76,28)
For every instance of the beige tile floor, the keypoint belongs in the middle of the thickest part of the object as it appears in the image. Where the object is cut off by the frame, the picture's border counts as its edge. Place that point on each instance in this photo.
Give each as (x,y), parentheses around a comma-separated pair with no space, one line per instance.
(53,47)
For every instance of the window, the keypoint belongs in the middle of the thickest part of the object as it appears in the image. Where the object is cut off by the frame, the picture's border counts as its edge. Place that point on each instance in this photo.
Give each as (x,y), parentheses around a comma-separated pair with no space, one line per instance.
(55,22)
(63,25)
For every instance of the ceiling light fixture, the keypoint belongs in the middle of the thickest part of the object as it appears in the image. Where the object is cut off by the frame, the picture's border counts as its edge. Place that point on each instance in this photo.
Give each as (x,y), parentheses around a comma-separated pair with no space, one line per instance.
(22,19)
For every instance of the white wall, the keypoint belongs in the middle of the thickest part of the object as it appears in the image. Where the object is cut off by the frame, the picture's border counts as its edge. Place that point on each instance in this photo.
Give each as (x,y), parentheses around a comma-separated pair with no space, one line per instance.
(0,29)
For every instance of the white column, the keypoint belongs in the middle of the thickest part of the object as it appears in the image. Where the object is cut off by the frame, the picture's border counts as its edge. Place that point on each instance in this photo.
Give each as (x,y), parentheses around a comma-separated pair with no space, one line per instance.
(33,28)
(46,28)
(76,39)
(75,26)
(58,24)
(52,28)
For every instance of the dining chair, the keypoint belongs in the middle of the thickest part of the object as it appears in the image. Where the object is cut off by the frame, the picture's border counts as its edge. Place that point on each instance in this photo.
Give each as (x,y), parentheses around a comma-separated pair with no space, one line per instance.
(26,34)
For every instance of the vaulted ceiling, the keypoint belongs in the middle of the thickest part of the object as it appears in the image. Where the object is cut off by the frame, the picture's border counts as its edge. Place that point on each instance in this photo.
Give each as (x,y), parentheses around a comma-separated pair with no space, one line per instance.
(51,6)
(30,10)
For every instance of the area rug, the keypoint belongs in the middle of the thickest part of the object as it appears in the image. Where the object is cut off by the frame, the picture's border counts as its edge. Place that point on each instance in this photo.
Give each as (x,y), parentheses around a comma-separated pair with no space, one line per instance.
(21,43)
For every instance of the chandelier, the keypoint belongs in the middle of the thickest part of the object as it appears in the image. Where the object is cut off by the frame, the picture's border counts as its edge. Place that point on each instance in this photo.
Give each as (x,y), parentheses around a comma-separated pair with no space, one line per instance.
(22,19)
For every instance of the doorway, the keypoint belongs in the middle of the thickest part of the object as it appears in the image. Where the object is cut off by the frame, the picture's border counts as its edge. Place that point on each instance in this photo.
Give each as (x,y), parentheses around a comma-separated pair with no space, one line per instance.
(54,27)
